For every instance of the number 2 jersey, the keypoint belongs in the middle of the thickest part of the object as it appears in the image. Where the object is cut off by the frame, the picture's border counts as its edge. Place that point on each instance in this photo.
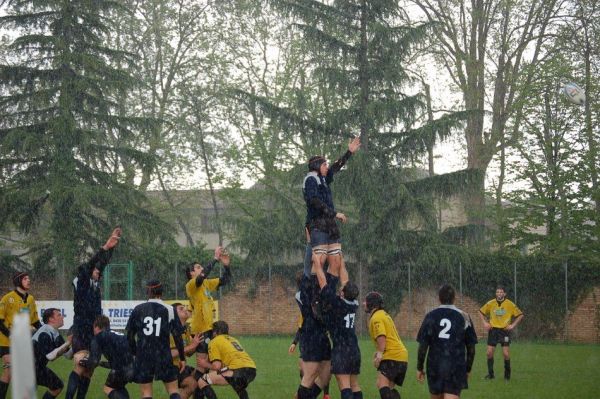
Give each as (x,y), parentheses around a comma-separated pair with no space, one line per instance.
(149,329)
(447,331)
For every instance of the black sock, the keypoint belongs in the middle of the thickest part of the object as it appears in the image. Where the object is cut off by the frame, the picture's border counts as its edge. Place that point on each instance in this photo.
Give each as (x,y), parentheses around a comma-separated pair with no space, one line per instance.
(3,389)
(395,394)
(84,385)
(315,390)
(243,394)
(48,395)
(198,393)
(346,393)
(357,395)
(490,367)
(385,393)
(72,385)
(326,390)
(209,393)
(304,393)
(507,368)
(118,394)
(175,395)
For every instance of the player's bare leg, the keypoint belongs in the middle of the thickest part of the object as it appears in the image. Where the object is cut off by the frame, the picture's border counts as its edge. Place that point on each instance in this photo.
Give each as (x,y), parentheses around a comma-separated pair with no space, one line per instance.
(324,374)
(172,389)
(336,263)
(354,385)
(319,255)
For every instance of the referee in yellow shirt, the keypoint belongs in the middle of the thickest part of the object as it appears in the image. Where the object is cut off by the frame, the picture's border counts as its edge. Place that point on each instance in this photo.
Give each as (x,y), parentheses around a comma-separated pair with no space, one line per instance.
(391,357)
(499,317)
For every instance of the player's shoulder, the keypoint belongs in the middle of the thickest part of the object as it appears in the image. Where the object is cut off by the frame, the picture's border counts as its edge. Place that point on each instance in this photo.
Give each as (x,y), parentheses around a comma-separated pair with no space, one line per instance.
(9,297)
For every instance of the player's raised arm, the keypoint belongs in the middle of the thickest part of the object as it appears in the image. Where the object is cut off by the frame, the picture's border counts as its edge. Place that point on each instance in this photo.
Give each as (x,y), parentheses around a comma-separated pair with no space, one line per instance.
(226,261)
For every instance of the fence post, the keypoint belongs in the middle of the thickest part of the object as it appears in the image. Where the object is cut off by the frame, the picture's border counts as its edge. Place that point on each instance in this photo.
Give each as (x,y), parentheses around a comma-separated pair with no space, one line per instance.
(566,266)
(460,287)
(410,310)
(515,280)
(270,296)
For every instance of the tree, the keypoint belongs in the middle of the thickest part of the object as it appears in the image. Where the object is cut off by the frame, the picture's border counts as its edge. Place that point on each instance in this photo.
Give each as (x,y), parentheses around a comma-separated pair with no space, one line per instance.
(486,46)
(58,130)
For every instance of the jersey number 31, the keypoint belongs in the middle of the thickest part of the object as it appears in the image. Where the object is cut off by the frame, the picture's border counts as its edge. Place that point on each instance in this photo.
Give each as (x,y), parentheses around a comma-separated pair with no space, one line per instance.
(152,326)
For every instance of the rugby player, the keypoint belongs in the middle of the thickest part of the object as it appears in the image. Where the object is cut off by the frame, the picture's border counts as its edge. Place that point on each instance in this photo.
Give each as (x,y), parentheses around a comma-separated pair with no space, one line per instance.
(17,301)
(48,345)
(448,339)
(87,305)
(321,215)
(148,330)
(503,316)
(339,314)
(230,363)
(115,349)
(391,356)
(188,379)
(199,290)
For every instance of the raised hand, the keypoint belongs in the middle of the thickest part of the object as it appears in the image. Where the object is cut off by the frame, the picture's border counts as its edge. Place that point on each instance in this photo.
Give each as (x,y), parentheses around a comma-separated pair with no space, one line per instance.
(113,240)
(354,144)
(224,259)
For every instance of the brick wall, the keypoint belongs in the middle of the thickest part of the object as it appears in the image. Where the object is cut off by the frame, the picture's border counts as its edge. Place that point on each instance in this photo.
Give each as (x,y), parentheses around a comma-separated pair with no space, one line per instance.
(277,313)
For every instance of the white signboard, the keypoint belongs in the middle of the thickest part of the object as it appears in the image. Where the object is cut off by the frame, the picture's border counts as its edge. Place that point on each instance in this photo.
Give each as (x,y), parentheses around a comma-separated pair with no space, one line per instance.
(117,311)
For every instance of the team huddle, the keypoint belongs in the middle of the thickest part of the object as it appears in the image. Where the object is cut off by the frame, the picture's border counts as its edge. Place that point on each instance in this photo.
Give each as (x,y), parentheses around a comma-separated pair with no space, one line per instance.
(159,337)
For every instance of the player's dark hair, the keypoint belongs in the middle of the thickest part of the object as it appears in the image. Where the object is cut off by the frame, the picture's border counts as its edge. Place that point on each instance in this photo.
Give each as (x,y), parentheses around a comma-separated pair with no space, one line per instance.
(220,327)
(314,163)
(18,279)
(500,287)
(102,322)
(190,268)
(447,294)
(154,288)
(350,291)
(48,313)
(374,300)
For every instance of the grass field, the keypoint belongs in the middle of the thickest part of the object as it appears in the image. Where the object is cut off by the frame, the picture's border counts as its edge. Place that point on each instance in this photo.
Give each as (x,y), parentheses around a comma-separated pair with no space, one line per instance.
(543,371)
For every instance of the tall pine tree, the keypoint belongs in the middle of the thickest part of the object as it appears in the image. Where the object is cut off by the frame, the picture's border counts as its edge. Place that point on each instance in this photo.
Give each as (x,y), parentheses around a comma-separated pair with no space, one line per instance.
(60,130)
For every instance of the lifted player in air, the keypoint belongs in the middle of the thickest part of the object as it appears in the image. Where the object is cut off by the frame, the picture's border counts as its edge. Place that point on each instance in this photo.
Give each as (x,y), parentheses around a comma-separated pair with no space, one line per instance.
(148,330)
(17,301)
(87,305)
(448,339)
(339,314)
(115,349)
(199,291)
(321,215)
(391,357)
(48,345)
(230,363)
(188,378)
(504,316)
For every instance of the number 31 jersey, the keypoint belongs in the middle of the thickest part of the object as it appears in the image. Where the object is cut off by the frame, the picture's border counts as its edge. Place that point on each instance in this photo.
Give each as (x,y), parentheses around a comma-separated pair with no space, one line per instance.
(447,331)
(152,323)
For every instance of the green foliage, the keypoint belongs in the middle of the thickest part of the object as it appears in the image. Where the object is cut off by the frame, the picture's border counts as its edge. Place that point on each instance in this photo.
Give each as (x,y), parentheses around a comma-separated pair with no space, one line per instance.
(60,131)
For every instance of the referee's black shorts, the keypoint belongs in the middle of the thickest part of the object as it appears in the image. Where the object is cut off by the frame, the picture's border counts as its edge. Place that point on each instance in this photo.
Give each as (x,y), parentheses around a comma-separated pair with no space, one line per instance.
(48,378)
(498,336)
(393,370)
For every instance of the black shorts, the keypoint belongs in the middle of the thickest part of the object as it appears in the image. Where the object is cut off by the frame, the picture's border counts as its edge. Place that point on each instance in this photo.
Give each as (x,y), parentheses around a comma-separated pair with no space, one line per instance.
(188,371)
(498,336)
(155,367)
(241,378)
(451,384)
(4,350)
(393,370)
(47,378)
(315,347)
(203,345)
(117,379)
(81,340)
(345,359)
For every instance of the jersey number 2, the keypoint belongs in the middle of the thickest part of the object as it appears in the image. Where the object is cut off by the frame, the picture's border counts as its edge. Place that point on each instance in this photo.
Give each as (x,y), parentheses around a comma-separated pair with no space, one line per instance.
(150,328)
(447,324)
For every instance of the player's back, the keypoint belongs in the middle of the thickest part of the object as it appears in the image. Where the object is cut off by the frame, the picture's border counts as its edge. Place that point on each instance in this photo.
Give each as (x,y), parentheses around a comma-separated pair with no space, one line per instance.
(115,348)
(152,324)
(447,330)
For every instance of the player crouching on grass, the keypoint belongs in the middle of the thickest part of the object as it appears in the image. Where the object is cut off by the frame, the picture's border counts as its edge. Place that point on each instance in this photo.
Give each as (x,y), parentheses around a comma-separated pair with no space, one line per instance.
(230,364)
(188,378)
(48,345)
(448,339)
(391,358)
(115,349)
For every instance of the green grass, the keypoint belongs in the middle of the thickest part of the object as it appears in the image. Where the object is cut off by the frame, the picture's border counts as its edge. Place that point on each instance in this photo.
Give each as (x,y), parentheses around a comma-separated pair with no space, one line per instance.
(542,371)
